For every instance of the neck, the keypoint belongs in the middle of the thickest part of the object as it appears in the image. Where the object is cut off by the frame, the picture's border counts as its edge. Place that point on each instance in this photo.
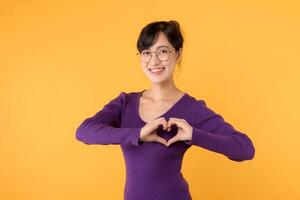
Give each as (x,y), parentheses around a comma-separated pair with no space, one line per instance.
(163,90)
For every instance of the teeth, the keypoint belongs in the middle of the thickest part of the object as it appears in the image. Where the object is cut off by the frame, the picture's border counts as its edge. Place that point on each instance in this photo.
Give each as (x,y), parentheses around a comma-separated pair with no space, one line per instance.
(157,70)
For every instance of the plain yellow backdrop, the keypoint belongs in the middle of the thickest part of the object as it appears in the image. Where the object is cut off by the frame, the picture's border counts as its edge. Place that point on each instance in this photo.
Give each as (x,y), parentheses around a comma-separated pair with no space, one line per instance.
(61,61)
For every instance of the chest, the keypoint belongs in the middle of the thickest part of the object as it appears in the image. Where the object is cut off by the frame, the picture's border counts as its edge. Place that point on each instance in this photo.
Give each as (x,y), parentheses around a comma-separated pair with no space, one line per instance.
(149,111)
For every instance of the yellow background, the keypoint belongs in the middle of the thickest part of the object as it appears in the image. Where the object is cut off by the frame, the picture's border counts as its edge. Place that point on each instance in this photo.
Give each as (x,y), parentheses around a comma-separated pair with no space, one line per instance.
(61,61)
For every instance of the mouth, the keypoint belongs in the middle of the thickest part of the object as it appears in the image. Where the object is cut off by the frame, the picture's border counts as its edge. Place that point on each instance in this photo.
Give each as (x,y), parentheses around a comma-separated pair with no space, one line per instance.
(156,71)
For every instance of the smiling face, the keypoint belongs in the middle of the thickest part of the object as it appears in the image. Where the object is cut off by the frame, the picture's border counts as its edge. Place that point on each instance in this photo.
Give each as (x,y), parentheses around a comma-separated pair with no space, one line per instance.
(160,70)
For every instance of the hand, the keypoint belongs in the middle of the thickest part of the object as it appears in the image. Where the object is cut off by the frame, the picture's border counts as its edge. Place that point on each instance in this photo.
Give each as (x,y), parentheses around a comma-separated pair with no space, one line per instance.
(184,132)
(148,132)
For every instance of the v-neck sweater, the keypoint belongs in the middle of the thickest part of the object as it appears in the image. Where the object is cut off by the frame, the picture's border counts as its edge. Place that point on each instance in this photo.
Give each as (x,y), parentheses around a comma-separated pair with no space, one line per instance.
(153,170)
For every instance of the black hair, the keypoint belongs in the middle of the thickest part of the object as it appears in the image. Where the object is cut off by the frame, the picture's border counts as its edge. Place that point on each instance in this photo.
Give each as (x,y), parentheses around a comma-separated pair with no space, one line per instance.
(149,33)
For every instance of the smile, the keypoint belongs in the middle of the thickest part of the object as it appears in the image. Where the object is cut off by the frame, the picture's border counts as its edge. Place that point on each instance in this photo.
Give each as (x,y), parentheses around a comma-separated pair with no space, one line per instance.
(156,71)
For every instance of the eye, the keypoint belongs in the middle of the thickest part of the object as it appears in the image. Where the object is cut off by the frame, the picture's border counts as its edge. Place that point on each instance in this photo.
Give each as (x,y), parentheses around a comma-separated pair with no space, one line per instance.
(145,53)
(164,51)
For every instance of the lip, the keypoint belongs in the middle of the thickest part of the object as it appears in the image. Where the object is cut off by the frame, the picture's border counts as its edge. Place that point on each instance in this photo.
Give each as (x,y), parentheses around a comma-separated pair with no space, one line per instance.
(157,73)
(156,68)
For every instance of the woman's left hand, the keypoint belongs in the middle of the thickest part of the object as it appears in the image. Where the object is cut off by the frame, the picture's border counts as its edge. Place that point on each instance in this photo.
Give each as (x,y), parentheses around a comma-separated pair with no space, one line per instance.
(184,132)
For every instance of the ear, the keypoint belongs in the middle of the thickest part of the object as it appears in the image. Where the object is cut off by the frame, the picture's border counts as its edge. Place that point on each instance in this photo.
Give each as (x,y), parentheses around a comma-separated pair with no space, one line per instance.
(179,53)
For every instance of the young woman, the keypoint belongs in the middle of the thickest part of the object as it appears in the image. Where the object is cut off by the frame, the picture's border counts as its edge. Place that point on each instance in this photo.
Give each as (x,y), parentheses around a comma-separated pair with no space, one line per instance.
(155,127)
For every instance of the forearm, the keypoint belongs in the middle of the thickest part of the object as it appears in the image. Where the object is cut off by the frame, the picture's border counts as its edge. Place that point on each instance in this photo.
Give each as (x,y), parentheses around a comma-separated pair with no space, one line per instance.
(98,133)
(236,146)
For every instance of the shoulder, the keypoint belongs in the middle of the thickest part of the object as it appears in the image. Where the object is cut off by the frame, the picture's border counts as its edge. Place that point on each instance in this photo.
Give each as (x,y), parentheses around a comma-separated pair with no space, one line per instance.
(123,97)
(126,95)
(199,110)
(195,103)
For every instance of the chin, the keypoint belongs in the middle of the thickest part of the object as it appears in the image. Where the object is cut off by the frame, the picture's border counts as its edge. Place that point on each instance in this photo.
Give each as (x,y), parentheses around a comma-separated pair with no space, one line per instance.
(159,80)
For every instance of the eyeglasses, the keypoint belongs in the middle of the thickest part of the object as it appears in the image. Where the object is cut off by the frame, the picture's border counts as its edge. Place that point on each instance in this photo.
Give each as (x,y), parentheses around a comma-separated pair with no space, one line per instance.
(162,55)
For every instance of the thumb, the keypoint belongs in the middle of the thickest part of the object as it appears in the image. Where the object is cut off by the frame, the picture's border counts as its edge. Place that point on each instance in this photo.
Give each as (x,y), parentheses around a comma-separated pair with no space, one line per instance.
(172,140)
(161,140)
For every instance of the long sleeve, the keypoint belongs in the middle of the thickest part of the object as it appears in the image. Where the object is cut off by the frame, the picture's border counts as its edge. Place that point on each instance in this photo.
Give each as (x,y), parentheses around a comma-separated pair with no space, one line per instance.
(104,127)
(211,132)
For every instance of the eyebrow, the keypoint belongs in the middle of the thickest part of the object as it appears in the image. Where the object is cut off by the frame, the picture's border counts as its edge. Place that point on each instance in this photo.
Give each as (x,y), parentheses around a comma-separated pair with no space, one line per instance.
(162,46)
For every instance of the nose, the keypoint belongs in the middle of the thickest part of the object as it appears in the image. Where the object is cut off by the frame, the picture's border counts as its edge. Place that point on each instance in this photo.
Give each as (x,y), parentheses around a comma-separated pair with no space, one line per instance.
(154,60)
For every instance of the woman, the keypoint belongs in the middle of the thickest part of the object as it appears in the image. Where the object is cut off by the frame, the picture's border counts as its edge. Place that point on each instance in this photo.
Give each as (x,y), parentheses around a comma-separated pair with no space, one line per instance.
(155,127)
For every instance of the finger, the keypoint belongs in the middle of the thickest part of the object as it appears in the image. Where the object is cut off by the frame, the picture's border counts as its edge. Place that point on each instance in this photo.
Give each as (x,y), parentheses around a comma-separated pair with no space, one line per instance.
(176,121)
(155,124)
(171,123)
(169,128)
(173,140)
(162,121)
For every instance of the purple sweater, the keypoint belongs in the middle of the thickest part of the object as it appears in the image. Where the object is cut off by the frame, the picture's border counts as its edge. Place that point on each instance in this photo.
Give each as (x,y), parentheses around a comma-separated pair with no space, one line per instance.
(153,171)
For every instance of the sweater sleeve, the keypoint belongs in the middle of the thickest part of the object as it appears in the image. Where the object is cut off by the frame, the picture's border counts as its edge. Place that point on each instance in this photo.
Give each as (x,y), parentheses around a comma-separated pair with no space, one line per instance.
(104,127)
(211,132)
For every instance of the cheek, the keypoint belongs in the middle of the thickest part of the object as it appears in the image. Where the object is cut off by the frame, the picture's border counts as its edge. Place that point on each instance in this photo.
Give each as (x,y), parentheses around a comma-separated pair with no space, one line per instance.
(170,64)
(144,66)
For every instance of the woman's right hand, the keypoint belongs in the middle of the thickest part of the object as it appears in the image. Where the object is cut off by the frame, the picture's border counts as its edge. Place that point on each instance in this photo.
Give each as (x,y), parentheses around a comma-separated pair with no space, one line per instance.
(148,132)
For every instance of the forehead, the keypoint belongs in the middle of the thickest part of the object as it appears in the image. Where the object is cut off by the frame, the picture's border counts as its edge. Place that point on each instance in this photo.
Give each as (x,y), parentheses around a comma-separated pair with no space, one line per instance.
(161,41)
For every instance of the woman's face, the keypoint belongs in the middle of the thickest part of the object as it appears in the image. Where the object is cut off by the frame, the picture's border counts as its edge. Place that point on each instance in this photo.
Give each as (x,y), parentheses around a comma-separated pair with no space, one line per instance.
(165,66)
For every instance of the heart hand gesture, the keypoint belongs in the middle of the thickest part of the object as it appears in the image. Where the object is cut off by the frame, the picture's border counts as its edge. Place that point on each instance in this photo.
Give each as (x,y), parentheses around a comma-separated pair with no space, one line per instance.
(149,131)
(184,132)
